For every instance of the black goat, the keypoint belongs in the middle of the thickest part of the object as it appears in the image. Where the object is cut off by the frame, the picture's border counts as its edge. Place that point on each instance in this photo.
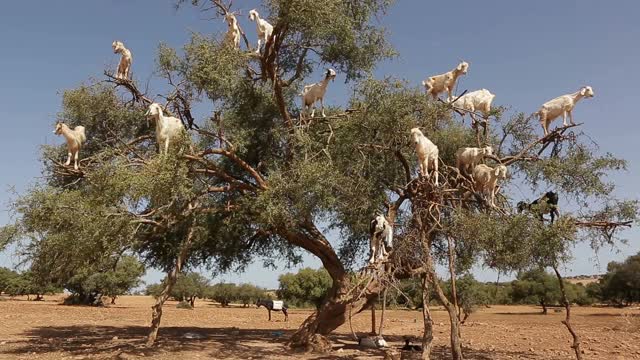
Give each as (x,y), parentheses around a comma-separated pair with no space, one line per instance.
(268,304)
(547,204)
(408,347)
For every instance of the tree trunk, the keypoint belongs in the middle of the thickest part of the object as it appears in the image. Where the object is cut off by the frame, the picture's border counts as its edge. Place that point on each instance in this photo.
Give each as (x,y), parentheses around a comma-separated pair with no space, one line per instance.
(333,312)
(113,300)
(192,301)
(456,346)
(427,339)
(172,276)
(373,319)
(452,274)
(544,307)
(567,321)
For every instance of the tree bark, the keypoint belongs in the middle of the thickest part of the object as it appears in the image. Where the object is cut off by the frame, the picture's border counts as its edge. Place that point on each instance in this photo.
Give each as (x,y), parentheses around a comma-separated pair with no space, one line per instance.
(427,338)
(456,346)
(452,274)
(333,311)
(567,321)
(172,276)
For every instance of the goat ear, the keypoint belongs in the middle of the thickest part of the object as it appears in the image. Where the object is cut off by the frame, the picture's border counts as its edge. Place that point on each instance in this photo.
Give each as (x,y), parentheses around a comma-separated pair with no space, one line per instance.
(583,91)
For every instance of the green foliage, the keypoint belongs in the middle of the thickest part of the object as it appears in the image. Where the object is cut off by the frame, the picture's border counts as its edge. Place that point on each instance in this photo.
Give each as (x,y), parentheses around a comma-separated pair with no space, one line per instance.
(223,293)
(304,288)
(91,283)
(594,291)
(190,286)
(6,276)
(621,284)
(210,66)
(248,294)
(470,293)
(536,287)
(341,32)
(245,294)
(193,285)
(26,283)
(184,305)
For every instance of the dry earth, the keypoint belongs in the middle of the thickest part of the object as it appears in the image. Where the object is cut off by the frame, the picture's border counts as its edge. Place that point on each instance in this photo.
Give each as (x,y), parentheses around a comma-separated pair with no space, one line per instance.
(48,330)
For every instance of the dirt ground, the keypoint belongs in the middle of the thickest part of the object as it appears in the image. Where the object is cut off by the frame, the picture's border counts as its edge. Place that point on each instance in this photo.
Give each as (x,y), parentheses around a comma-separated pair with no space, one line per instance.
(48,330)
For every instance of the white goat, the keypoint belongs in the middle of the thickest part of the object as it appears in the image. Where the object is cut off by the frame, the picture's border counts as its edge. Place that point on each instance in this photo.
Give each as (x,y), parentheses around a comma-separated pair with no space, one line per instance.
(427,153)
(486,178)
(479,100)
(75,138)
(233,32)
(445,82)
(562,105)
(381,233)
(468,157)
(264,28)
(315,92)
(125,60)
(167,127)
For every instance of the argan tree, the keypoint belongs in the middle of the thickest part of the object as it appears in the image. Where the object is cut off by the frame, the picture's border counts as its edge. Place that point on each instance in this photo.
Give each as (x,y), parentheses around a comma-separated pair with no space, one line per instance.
(255,180)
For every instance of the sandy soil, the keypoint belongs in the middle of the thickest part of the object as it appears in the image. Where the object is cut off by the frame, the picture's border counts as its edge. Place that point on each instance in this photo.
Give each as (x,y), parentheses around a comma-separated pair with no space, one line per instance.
(48,330)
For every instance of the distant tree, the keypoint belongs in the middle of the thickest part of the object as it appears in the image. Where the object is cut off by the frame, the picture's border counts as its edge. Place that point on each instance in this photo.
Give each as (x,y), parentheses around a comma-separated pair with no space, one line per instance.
(407,294)
(470,294)
(189,287)
(6,275)
(27,283)
(621,284)
(307,286)
(536,286)
(153,290)
(89,285)
(249,294)
(594,291)
(224,293)
(578,294)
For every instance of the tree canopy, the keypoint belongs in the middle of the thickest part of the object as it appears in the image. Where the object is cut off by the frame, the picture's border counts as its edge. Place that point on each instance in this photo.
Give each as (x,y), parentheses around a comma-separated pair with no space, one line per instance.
(255,180)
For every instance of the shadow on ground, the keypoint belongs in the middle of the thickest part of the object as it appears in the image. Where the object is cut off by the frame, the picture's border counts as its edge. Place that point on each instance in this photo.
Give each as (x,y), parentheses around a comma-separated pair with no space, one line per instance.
(226,343)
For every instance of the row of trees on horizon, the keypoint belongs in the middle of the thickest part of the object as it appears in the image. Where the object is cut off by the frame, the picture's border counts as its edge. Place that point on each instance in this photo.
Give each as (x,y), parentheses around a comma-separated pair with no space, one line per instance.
(307,288)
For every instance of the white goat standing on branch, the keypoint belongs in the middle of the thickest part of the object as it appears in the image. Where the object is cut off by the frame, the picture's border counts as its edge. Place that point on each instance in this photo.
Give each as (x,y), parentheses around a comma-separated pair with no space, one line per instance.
(233,32)
(479,100)
(486,179)
(562,105)
(75,138)
(315,92)
(167,127)
(427,153)
(468,157)
(264,28)
(125,60)
(381,233)
(445,82)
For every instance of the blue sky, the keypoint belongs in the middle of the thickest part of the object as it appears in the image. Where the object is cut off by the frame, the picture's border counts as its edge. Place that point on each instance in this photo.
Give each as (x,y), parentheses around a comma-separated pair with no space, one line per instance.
(524,52)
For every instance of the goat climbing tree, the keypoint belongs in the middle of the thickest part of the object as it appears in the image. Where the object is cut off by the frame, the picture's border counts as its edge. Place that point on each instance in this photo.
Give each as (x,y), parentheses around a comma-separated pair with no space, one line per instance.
(252,181)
